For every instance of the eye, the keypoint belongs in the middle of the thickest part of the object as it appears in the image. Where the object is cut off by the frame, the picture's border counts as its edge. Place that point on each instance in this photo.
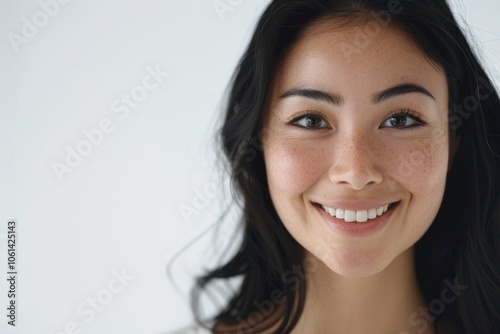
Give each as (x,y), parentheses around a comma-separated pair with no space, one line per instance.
(403,119)
(309,120)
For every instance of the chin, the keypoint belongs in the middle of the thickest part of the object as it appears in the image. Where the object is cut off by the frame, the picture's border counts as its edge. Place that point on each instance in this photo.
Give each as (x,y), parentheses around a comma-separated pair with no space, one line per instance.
(357,263)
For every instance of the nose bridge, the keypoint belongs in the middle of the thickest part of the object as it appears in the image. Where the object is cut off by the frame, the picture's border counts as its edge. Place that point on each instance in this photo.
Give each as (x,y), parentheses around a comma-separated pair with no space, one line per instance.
(355,159)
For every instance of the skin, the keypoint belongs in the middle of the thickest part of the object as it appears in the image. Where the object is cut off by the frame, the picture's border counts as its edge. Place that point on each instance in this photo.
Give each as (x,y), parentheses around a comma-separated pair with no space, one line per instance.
(358,284)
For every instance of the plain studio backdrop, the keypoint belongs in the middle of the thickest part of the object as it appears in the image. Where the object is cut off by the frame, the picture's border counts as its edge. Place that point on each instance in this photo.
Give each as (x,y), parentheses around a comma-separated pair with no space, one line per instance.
(107,158)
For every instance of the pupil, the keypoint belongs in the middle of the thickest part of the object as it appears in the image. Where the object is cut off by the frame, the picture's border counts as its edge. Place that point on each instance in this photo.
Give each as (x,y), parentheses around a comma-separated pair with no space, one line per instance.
(312,122)
(398,121)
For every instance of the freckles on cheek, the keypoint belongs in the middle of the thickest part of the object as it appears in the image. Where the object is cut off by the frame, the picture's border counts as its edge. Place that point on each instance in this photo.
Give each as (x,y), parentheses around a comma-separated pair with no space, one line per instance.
(293,167)
(422,164)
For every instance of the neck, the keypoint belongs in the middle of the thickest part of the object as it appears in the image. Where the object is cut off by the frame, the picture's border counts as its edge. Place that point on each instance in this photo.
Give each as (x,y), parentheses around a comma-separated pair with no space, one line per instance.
(381,303)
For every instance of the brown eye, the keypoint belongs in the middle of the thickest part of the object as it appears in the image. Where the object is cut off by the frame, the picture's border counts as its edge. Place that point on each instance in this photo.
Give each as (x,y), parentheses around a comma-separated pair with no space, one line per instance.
(310,122)
(313,122)
(403,119)
(398,121)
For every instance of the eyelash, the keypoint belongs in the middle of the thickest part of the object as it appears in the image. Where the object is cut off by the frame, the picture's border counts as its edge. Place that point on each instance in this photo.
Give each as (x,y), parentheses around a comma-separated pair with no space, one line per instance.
(411,114)
(400,113)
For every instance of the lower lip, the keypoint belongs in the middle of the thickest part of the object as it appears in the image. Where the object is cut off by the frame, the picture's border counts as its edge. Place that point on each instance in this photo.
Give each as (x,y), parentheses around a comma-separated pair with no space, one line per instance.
(369,227)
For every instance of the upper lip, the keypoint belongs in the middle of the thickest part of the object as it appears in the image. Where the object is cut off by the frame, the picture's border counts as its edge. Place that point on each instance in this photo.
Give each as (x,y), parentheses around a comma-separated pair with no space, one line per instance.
(355,205)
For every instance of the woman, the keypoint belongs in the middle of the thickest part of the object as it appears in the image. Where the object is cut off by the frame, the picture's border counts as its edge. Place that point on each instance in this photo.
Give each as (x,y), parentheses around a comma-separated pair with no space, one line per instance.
(363,140)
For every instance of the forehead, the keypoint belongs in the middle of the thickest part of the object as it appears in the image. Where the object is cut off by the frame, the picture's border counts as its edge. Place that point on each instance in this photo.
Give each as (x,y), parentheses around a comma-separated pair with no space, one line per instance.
(354,57)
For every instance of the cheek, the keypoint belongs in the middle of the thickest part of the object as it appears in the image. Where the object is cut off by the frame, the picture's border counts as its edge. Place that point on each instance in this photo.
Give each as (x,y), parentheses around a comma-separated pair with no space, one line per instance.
(422,164)
(292,167)
(421,168)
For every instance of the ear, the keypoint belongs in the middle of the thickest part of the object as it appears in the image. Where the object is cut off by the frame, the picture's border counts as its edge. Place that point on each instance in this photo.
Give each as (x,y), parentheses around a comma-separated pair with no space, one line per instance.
(454,145)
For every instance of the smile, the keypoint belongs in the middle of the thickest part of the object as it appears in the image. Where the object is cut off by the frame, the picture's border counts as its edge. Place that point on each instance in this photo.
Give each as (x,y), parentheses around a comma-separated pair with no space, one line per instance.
(359,216)
(357,223)
(356,216)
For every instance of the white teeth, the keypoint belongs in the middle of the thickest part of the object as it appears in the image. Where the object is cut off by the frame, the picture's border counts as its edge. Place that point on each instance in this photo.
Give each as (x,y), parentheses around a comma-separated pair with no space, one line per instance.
(350,216)
(331,212)
(359,216)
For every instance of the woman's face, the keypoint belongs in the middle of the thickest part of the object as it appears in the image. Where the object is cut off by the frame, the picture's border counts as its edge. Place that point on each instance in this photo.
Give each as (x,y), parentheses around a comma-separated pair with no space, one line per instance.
(352,126)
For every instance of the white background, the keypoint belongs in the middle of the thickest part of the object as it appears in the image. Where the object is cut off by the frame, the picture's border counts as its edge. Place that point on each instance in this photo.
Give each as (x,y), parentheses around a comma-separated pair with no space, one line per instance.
(120,209)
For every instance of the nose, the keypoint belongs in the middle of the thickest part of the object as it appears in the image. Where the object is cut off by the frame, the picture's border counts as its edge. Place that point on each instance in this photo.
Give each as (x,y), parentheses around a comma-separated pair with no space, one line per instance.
(355,162)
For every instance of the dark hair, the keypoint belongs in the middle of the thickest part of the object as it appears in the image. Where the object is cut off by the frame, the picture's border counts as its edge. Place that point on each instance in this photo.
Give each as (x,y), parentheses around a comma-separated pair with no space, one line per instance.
(462,244)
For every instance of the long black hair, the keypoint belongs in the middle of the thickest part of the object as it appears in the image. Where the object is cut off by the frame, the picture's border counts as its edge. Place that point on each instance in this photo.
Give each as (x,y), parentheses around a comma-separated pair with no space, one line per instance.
(462,246)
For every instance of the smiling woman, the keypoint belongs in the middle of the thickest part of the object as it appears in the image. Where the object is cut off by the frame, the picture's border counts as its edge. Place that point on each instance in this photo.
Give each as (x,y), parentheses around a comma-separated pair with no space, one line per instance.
(329,168)
(370,207)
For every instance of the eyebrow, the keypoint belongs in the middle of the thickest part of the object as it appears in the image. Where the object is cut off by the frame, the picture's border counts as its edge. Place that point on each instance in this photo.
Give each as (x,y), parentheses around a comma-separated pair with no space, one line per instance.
(314,94)
(401,89)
